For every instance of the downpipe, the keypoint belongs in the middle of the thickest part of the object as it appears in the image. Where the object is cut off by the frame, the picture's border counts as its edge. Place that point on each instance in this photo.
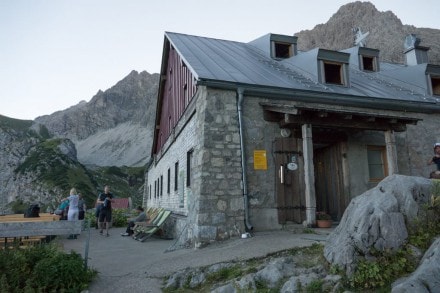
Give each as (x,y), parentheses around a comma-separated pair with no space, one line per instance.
(247,223)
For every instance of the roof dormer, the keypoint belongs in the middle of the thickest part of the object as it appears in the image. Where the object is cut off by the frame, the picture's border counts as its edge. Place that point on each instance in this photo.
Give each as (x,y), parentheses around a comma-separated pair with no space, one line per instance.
(277,47)
(333,67)
(366,59)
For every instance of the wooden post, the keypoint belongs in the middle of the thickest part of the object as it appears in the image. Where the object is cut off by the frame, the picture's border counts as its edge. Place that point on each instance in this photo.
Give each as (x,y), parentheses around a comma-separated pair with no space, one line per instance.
(309,175)
(390,143)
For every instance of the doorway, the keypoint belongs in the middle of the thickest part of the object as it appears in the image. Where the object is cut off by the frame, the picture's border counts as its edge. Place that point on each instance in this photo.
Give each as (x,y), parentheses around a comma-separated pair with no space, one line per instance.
(289,198)
(329,184)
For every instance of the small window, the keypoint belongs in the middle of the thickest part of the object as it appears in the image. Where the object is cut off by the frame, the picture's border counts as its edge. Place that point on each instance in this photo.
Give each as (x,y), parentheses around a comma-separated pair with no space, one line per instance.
(176,175)
(169,181)
(186,94)
(377,164)
(368,63)
(283,50)
(435,83)
(333,73)
(189,156)
(149,191)
(161,185)
(155,189)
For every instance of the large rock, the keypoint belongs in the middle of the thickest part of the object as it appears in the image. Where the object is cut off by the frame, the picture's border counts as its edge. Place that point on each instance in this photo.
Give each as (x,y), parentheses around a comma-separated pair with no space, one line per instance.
(427,276)
(376,219)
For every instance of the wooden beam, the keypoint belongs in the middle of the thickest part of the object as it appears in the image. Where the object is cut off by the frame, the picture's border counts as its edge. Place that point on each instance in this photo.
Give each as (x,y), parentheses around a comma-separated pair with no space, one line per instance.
(382,124)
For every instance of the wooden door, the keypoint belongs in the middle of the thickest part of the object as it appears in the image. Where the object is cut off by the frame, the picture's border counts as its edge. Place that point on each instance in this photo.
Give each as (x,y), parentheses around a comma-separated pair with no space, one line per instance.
(329,181)
(290,199)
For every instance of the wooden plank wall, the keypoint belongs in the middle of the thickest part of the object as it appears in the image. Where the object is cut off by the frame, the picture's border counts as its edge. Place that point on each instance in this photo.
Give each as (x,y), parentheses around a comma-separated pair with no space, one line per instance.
(179,89)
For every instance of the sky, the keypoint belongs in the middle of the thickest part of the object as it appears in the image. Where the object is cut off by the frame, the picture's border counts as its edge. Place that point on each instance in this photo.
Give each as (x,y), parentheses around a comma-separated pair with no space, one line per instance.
(56,53)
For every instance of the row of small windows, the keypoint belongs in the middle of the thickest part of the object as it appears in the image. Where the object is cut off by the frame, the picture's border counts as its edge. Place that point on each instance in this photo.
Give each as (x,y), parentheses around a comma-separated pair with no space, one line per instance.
(335,72)
(159,182)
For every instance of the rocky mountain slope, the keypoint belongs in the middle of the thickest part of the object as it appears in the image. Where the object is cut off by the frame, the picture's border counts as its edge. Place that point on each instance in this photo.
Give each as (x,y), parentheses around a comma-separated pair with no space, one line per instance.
(35,168)
(386,32)
(114,128)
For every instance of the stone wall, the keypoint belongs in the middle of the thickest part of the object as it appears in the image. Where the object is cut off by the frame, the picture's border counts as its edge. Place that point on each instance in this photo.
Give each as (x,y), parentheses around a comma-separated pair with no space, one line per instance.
(213,204)
(212,208)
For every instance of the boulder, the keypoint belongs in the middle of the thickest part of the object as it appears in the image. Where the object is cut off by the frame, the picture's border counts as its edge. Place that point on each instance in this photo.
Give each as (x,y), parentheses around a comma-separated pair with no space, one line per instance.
(376,219)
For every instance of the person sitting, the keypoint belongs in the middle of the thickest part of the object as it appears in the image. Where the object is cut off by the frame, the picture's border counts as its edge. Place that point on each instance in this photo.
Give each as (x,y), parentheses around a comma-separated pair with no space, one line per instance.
(141,217)
(435,160)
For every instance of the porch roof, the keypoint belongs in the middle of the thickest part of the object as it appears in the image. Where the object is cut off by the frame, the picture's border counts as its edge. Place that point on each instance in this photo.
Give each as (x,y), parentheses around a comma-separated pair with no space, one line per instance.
(330,116)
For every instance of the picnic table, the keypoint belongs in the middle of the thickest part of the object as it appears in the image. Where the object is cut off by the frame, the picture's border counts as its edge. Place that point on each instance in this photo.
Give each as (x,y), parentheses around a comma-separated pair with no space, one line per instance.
(15,228)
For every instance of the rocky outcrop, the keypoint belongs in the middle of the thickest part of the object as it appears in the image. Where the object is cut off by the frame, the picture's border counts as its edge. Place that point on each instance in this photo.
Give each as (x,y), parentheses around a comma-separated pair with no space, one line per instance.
(427,276)
(19,139)
(279,272)
(377,219)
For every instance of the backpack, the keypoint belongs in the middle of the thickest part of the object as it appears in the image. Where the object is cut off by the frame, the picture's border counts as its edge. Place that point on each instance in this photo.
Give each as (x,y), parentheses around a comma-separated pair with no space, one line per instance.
(33,211)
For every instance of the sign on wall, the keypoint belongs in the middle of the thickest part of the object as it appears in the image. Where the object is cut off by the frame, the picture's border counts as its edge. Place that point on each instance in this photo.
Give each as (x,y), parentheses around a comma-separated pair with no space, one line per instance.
(260,160)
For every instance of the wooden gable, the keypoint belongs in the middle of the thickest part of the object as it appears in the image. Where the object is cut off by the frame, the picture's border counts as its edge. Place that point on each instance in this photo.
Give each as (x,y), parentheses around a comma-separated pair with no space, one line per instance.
(177,88)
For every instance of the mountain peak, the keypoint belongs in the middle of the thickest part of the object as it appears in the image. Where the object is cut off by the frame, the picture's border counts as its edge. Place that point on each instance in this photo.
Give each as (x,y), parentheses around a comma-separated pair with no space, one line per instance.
(386,32)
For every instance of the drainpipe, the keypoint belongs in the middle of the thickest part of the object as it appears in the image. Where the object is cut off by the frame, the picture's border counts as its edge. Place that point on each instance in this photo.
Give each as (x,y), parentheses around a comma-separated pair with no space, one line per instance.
(248,225)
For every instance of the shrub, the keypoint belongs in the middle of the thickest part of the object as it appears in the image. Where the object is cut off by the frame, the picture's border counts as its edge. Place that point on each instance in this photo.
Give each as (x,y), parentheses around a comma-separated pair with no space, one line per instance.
(386,267)
(43,269)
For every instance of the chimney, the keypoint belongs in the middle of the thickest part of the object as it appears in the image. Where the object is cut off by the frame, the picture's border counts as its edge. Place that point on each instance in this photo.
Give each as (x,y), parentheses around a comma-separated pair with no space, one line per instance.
(414,53)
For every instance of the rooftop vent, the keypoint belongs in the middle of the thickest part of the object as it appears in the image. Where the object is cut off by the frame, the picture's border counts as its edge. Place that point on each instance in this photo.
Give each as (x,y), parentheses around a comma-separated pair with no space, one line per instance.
(414,53)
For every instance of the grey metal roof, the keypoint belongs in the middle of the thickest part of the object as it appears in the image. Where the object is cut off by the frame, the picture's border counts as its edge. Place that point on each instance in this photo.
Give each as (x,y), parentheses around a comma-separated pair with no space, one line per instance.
(244,64)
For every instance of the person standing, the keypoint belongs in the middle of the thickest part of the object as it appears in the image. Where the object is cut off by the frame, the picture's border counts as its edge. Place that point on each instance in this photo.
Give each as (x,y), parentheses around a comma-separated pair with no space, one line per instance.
(81,207)
(72,214)
(105,199)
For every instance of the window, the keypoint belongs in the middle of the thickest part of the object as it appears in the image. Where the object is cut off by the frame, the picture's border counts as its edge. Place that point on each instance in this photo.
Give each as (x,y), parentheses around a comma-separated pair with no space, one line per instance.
(189,156)
(176,174)
(282,50)
(158,187)
(161,185)
(368,59)
(333,73)
(368,63)
(155,189)
(169,181)
(435,84)
(377,164)
(186,94)
(149,191)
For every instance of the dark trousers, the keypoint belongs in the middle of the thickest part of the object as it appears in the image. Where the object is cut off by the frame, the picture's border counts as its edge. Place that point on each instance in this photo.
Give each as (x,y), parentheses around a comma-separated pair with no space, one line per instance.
(129,230)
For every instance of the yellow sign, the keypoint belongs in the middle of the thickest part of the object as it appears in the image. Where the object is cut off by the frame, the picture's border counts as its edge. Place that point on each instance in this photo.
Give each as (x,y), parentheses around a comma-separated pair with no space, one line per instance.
(260,160)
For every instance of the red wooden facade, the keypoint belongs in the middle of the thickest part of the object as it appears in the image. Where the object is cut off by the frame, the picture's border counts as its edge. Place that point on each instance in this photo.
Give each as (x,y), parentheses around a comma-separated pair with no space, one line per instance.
(177,92)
